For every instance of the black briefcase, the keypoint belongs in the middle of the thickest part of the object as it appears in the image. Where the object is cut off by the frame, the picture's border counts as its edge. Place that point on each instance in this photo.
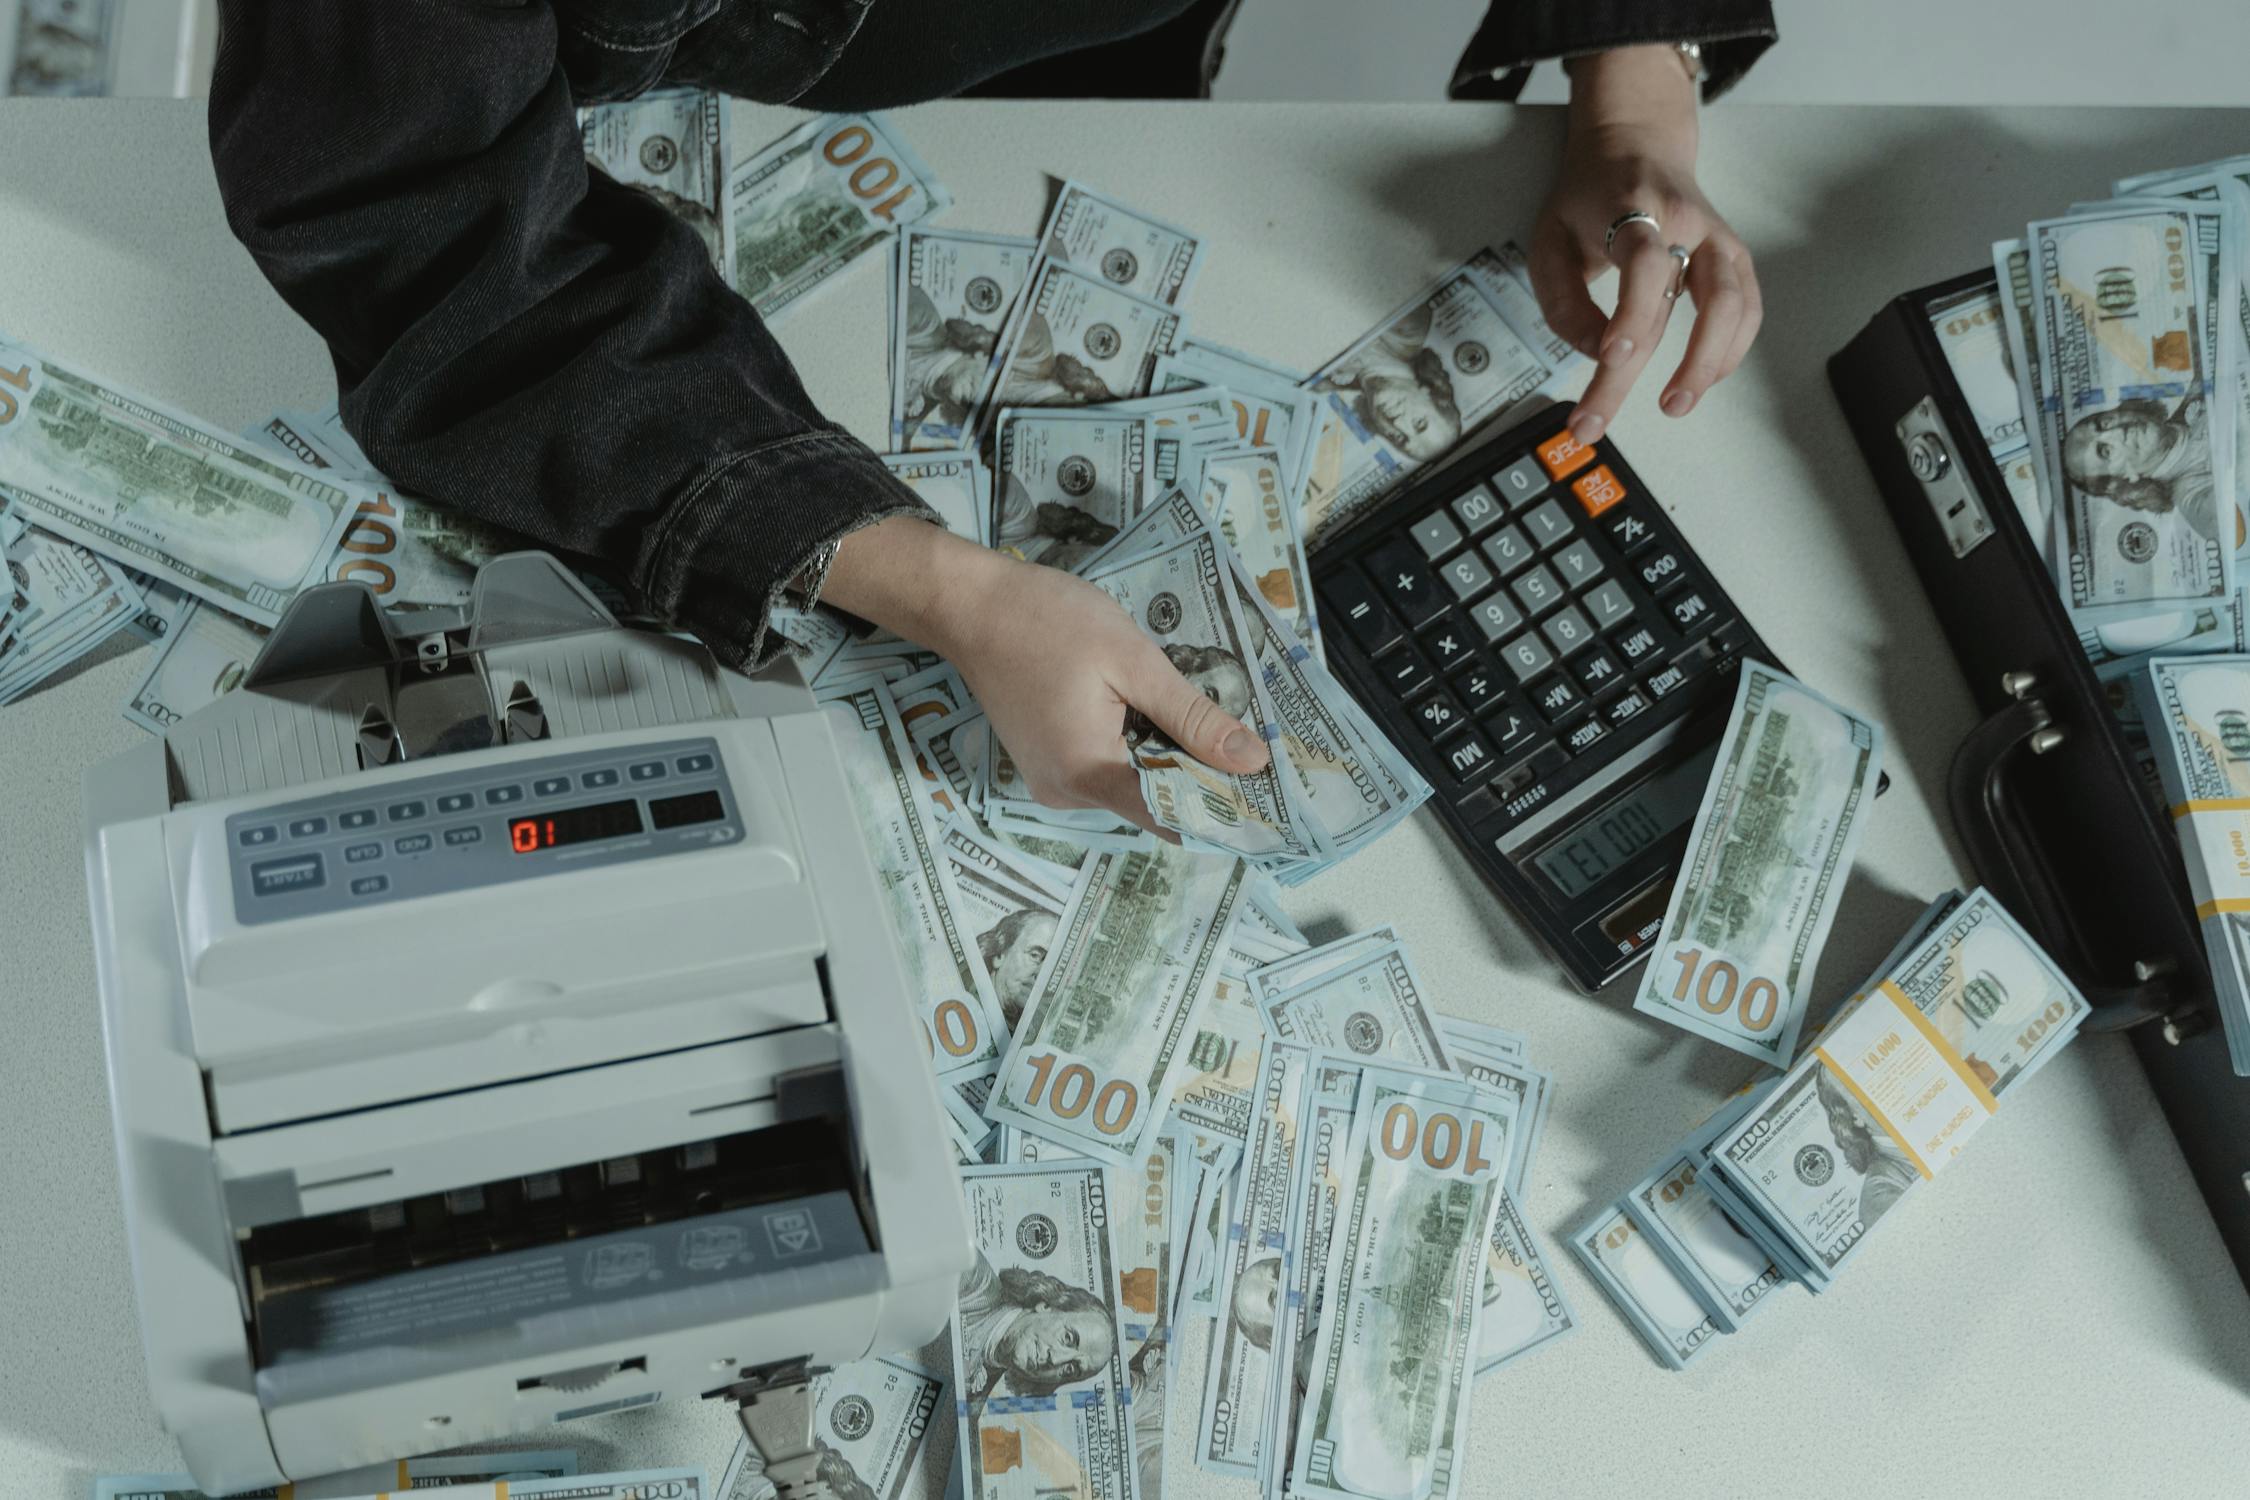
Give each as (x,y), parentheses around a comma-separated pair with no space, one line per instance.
(2044,792)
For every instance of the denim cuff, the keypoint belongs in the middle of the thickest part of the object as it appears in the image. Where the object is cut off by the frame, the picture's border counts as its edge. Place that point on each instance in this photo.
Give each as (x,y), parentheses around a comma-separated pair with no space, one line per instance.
(760,529)
(1732,34)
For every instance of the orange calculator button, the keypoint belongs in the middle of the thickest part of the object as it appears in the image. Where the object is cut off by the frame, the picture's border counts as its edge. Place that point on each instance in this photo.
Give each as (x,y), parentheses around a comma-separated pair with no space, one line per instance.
(1563,454)
(1598,491)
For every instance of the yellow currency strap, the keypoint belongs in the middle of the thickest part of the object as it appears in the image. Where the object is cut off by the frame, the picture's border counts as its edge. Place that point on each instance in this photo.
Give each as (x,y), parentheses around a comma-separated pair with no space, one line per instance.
(1890,991)
(2210,804)
(1873,1113)
(2219,904)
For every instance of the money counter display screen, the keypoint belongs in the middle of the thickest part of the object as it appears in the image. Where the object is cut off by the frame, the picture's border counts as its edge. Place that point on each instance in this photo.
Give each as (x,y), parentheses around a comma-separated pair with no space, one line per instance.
(574,825)
(1597,843)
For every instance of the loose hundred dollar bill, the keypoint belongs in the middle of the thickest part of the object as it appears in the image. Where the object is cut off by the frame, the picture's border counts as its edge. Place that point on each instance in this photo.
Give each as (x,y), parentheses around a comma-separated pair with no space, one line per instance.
(673,146)
(959,1014)
(1387,1400)
(951,294)
(1076,339)
(64,48)
(1524,1306)
(1270,407)
(1765,868)
(1466,347)
(1898,1084)
(2130,358)
(1253,510)
(872,1420)
(1376,1006)
(1238,1375)
(1040,1374)
(431,1471)
(162,492)
(1652,1296)
(407,550)
(1011,915)
(1972,335)
(1132,966)
(1140,1204)
(1131,250)
(205,656)
(1328,1097)
(2198,714)
(1214,1091)
(1066,482)
(804,207)
(1199,1213)
(631,1484)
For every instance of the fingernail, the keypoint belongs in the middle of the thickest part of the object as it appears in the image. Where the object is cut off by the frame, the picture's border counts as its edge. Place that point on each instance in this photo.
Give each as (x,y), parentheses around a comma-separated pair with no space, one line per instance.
(1620,350)
(1678,403)
(1587,427)
(1238,744)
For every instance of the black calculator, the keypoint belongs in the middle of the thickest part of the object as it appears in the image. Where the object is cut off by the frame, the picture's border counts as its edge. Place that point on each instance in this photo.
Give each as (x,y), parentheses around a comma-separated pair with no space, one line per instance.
(1534,634)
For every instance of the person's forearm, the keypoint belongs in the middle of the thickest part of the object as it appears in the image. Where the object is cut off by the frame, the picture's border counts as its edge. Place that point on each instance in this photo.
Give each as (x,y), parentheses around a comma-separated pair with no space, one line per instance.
(514,335)
(1645,89)
(915,579)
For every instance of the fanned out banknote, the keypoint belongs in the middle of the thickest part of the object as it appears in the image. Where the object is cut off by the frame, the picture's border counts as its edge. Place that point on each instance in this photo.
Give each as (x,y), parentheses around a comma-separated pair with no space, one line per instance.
(1387,1397)
(1765,868)
(874,1423)
(1653,1297)
(161,492)
(1134,251)
(2133,426)
(673,145)
(1075,339)
(951,294)
(1375,1007)
(1238,1373)
(1467,347)
(1133,962)
(62,600)
(802,208)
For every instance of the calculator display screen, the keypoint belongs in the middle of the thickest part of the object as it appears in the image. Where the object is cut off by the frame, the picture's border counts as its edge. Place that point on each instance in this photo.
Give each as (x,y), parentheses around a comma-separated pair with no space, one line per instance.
(1597,843)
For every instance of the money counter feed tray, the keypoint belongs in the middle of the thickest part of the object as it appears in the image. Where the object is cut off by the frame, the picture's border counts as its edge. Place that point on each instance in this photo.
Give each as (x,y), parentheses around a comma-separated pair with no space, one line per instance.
(2044,792)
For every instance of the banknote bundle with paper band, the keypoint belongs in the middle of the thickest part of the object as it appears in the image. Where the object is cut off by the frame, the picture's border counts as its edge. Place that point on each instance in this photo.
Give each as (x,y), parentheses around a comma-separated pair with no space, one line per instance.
(2197,713)
(1788,1179)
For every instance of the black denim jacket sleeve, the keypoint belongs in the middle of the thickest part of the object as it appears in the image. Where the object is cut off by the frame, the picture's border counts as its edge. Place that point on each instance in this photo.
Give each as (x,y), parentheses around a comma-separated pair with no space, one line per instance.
(1517,33)
(514,334)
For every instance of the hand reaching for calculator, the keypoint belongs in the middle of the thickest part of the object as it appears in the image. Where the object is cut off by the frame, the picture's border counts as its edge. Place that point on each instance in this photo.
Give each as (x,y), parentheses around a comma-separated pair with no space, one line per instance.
(1631,147)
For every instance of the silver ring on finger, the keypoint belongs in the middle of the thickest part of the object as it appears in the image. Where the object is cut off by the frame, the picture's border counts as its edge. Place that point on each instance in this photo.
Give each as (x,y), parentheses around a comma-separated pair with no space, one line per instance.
(1681,254)
(1636,216)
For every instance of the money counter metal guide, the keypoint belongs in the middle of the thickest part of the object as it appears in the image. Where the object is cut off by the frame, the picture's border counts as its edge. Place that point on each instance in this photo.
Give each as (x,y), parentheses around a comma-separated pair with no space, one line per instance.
(503,1027)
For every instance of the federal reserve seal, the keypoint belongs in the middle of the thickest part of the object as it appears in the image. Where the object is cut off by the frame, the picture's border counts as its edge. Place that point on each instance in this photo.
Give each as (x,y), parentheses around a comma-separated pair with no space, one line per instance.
(2137,542)
(1814,1166)
(659,154)
(1035,1236)
(1120,266)
(1075,474)
(853,1419)
(982,294)
(1362,1032)
(1102,341)
(1471,357)
(1164,613)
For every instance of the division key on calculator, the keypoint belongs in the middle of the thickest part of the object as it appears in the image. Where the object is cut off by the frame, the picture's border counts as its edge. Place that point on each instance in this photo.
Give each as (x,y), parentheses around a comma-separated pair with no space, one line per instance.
(1537,637)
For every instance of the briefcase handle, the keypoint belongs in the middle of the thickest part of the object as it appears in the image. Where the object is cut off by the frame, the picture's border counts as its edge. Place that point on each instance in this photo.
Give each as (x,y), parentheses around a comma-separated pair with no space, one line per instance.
(2007,859)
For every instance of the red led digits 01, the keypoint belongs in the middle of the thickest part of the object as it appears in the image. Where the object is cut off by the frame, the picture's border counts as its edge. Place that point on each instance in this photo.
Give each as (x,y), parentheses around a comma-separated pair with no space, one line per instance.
(574,825)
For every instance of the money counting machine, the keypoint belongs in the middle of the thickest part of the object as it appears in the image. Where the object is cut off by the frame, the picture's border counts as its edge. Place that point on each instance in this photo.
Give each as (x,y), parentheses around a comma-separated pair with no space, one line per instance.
(503,1027)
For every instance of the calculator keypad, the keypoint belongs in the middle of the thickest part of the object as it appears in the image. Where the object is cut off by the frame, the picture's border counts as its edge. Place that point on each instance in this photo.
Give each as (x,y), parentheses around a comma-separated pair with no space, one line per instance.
(1523,620)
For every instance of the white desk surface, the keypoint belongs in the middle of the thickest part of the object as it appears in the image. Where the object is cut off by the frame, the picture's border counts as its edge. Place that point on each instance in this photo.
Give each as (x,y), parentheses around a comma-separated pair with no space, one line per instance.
(2056,1317)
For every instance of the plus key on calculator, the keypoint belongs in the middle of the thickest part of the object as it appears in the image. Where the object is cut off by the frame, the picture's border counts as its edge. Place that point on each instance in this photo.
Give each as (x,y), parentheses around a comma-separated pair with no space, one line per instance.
(1534,633)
